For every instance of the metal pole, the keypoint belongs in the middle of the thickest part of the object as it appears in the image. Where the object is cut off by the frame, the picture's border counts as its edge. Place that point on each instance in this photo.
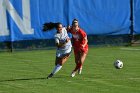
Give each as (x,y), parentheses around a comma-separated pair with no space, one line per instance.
(132,20)
(11,46)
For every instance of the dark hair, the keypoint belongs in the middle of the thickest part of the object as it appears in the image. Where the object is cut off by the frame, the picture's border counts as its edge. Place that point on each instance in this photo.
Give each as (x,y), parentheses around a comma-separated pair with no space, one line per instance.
(74,21)
(57,24)
(50,26)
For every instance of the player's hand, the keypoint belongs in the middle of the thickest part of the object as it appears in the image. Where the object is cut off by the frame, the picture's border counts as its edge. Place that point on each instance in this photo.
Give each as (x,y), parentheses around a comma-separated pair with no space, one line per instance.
(68,27)
(83,46)
(67,40)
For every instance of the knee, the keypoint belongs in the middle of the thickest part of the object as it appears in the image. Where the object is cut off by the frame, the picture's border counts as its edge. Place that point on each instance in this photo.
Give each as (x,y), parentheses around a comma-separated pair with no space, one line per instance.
(60,63)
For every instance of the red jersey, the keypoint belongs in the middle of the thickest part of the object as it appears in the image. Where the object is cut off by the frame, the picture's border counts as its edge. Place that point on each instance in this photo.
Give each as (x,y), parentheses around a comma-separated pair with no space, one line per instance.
(79,38)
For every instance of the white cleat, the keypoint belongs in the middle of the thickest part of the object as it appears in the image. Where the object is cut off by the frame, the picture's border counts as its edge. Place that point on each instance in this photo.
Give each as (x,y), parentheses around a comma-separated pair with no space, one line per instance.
(79,71)
(73,74)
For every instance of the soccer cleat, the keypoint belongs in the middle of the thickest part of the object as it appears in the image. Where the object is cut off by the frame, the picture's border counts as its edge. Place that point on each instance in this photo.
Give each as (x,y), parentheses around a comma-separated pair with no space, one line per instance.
(73,73)
(80,71)
(50,76)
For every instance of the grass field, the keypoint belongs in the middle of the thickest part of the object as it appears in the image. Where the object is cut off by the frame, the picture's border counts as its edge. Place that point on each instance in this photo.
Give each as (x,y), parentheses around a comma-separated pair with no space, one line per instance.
(26,72)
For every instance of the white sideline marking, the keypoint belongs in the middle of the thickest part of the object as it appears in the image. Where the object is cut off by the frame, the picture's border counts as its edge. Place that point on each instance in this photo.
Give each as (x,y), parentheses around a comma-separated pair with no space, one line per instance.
(131,49)
(69,81)
(101,81)
(98,56)
(134,78)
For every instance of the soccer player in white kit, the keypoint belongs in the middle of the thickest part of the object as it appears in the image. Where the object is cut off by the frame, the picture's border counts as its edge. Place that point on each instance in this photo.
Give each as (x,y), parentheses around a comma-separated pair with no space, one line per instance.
(64,48)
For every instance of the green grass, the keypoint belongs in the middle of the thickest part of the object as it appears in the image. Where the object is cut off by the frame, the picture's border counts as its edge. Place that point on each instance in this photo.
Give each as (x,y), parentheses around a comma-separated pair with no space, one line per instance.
(26,72)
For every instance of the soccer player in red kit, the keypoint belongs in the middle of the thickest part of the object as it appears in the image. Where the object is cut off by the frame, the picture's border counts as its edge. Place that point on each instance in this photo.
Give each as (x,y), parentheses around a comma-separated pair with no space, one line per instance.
(79,38)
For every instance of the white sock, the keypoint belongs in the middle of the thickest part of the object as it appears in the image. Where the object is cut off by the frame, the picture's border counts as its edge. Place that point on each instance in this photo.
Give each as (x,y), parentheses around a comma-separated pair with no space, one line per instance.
(56,69)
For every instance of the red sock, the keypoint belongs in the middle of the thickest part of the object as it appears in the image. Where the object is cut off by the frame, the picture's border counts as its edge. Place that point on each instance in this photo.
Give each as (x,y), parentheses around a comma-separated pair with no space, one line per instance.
(80,66)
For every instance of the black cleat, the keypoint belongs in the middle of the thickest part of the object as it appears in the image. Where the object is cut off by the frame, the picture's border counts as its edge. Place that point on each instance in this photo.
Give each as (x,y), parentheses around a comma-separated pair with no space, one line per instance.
(50,76)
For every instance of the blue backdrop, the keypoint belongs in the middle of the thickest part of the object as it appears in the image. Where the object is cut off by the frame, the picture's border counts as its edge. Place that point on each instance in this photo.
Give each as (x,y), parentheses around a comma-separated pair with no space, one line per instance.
(137,16)
(96,17)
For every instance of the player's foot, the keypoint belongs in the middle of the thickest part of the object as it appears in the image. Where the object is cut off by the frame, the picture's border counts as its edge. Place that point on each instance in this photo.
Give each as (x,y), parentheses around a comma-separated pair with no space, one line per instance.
(50,76)
(80,71)
(73,73)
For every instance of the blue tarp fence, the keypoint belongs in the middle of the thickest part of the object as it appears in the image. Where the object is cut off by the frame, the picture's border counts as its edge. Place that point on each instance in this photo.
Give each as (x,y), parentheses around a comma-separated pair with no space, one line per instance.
(23,19)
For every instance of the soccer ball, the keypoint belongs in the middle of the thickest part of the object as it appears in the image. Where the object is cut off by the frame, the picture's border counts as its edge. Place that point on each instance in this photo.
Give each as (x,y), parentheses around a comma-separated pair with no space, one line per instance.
(118,64)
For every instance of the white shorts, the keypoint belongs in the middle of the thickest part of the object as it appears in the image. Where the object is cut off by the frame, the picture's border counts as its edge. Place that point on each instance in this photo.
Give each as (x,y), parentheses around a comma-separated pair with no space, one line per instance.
(63,53)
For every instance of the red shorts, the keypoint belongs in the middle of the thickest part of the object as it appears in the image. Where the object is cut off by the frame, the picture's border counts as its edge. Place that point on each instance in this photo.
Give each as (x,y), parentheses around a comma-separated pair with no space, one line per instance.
(80,50)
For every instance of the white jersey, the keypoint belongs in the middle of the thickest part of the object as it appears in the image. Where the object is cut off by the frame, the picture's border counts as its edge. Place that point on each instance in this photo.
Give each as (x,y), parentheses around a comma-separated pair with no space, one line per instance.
(61,38)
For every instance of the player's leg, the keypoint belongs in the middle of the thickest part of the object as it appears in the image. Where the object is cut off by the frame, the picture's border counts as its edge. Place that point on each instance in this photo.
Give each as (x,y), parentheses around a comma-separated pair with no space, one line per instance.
(59,62)
(82,59)
(56,68)
(64,59)
(83,55)
(58,65)
(77,61)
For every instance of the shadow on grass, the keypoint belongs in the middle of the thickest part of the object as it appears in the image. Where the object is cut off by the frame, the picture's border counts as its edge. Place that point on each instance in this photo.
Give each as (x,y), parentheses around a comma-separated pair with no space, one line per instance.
(26,79)
(22,79)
